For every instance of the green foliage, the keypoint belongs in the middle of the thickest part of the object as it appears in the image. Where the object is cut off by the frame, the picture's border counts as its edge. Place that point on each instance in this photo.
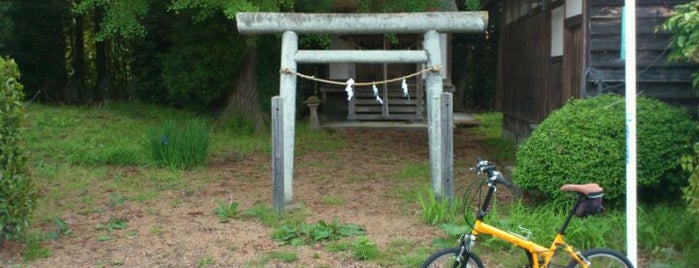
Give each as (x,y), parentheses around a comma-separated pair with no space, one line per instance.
(6,25)
(491,128)
(205,261)
(33,249)
(472,5)
(302,234)
(684,26)
(113,224)
(38,46)
(179,145)
(226,212)
(399,6)
(263,213)
(363,249)
(198,69)
(283,256)
(690,163)
(585,142)
(438,210)
(18,192)
(668,236)
(122,18)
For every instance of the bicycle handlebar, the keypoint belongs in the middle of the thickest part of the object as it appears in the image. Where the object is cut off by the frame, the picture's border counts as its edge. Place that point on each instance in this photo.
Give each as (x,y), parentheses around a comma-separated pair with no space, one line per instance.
(490,170)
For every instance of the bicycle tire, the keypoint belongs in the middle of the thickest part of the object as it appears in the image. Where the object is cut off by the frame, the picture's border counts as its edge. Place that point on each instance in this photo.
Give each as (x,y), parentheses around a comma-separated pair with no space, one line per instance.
(446,258)
(603,257)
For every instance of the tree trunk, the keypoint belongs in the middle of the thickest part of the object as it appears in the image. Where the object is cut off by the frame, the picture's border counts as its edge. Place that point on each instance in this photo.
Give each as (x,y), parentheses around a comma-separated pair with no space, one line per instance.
(78,58)
(100,58)
(244,100)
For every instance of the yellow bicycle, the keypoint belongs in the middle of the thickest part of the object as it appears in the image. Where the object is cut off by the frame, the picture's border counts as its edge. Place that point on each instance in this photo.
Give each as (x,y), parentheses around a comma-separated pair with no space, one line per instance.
(589,202)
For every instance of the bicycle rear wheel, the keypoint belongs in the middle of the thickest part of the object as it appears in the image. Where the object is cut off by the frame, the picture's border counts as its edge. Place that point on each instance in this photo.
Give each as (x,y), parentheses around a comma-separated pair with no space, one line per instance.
(603,257)
(448,258)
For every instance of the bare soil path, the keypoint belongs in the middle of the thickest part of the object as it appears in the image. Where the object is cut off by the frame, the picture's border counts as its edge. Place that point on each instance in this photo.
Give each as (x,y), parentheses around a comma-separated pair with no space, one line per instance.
(178,228)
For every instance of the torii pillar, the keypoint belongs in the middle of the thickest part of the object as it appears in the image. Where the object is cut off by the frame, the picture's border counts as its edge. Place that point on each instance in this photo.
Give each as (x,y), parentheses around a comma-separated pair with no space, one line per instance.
(430,24)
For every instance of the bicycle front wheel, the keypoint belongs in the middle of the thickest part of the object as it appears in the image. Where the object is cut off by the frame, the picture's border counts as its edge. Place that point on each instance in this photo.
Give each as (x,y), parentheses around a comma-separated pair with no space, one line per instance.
(602,257)
(448,258)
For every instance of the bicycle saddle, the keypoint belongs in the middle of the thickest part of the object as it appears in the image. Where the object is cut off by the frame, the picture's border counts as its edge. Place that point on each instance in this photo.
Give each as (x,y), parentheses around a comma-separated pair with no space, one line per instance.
(586,189)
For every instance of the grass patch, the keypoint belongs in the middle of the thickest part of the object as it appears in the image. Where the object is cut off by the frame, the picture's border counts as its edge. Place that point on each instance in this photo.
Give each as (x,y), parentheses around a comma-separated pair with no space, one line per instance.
(491,129)
(414,172)
(179,145)
(438,210)
(403,253)
(332,200)
(284,256)
(364,249)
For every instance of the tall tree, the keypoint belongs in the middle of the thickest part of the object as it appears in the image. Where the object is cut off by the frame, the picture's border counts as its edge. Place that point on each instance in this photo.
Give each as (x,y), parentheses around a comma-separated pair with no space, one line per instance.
(78,53)
(243,98)
(38,45)
(6,25)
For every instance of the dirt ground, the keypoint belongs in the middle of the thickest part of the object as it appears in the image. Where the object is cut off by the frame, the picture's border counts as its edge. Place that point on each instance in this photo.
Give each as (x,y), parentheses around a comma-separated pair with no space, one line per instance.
(178,228)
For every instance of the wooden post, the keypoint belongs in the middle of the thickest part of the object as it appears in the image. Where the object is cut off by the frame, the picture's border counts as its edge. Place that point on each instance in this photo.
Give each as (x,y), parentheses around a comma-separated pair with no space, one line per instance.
(447,125)
(278,155)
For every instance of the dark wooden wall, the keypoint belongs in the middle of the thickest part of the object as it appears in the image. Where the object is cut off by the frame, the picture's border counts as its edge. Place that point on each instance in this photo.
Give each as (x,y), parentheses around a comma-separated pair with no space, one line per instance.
(668,81)
(525,72)
(532,84)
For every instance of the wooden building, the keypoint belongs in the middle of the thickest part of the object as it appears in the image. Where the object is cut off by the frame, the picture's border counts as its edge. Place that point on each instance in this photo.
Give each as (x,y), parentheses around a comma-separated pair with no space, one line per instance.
(394,105)
(555,50)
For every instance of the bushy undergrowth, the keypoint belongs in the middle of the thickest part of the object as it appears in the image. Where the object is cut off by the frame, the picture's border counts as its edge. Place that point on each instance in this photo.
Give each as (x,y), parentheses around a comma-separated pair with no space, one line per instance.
(17,189)
(585,141)
(690,193)
(179,145)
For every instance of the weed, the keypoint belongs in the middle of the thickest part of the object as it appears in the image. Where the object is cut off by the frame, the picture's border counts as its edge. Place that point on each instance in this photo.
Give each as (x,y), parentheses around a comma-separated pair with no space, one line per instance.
(103,238)
(131,234)
(297,235)
(116,199)
(156,230)
(363,249)
(33,249)
(226,212)
(205,261)
(113,224)
(263,213)
(63,228)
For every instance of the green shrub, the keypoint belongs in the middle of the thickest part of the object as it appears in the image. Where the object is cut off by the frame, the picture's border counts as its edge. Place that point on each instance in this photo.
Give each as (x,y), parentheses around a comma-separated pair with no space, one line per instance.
(683,24)
(17,189)
(182,145)
(585,141)
(690,163)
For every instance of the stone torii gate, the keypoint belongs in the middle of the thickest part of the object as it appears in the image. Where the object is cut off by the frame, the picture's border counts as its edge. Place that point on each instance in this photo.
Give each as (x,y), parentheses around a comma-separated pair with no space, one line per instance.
(430,24)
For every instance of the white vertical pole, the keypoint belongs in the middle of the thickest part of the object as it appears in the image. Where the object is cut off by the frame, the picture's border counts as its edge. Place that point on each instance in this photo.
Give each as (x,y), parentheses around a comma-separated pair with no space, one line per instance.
(631,198)
(434,96)
(287,90)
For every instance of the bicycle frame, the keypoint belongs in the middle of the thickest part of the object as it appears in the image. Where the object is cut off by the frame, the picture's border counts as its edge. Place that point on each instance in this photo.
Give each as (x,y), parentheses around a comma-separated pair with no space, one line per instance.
(537,252)
(540,255)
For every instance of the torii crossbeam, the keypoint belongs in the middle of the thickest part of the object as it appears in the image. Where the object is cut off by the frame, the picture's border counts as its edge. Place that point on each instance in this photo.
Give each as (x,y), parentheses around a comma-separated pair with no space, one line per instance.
(430,24)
